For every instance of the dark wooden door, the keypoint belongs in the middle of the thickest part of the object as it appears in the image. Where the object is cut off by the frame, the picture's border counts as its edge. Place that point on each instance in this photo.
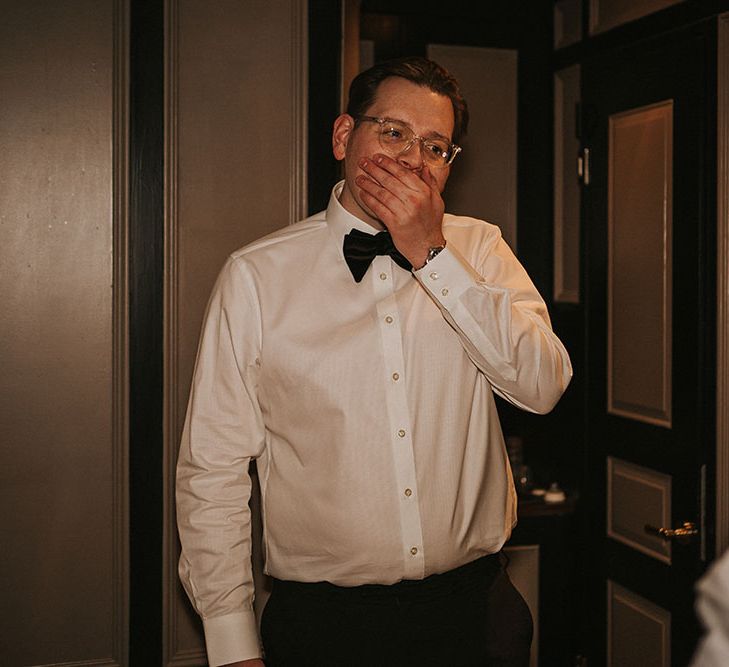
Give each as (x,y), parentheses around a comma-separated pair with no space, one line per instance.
(649,290)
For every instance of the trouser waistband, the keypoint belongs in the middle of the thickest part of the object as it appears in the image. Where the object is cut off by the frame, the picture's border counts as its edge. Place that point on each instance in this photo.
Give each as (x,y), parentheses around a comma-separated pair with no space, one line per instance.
(433,585)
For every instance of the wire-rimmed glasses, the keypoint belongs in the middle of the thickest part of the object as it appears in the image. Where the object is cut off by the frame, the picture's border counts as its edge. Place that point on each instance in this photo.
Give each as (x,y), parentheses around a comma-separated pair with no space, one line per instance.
(397,138)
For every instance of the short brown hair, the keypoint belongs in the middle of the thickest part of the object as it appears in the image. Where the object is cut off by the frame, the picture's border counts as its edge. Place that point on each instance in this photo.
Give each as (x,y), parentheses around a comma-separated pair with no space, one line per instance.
(421,71)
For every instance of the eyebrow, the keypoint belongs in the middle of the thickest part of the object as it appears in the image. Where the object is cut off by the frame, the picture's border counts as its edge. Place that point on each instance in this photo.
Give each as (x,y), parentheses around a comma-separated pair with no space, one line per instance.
(431,135)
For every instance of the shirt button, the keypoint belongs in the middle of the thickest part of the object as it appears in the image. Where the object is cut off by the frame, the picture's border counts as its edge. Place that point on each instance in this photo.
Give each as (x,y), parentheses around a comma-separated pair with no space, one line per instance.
(408,492)
(434,275)
(444,291)
(383,276)
(388,319)
(401,432)
(396,376)
(414,551)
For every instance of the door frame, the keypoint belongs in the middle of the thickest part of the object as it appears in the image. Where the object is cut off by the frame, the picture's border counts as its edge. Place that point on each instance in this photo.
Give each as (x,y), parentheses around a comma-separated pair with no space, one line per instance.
(722,366)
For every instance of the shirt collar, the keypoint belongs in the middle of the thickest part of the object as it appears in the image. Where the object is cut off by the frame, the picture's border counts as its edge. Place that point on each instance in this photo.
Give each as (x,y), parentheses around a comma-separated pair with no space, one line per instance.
(340,221)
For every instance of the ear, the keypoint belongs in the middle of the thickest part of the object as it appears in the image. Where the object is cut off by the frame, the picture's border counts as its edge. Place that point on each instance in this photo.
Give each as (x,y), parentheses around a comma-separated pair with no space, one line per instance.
(343,128)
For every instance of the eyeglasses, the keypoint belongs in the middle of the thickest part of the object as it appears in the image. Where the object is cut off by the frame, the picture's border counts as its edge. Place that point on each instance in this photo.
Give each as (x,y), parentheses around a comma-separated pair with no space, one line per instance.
(397,138)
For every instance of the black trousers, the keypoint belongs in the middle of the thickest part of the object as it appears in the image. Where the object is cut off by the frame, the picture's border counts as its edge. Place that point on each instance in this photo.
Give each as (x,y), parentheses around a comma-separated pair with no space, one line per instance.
(469,616)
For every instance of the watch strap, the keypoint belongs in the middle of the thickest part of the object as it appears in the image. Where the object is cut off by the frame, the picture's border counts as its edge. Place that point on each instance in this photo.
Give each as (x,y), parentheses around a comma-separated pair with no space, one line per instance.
(432,254)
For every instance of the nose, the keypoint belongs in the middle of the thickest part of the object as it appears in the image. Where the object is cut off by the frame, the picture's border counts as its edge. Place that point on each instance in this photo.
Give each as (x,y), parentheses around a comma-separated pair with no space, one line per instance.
(411,156)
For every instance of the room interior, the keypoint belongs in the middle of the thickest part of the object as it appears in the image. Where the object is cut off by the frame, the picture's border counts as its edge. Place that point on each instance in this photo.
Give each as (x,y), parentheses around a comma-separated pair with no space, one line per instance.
(144,140)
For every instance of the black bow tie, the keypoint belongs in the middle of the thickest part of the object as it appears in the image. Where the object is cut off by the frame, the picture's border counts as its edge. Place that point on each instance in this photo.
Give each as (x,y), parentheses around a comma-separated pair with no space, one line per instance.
(361,248)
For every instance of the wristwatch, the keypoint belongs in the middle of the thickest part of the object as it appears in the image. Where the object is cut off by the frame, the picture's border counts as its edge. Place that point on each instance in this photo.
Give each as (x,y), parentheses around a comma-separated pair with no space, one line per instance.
(432,254)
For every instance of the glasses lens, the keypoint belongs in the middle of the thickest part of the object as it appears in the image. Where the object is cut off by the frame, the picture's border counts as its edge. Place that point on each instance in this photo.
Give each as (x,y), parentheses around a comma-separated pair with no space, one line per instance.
(437,153)
(395,135)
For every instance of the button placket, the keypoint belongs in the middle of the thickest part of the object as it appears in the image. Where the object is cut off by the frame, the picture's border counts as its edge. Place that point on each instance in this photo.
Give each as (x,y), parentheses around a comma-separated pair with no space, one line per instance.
(400,424)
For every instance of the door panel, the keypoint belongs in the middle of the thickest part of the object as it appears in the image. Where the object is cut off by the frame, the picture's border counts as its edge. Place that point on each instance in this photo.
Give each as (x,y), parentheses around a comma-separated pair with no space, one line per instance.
(639,632)
(636,497)
(649,307)
(640,184)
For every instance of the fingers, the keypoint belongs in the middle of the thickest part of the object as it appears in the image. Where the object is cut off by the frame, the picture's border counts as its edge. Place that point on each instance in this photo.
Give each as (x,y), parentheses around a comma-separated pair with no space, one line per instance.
(372,189)
(391,173)
(382,192)
(428,178)
(406,201)
(379,209)
(393,185)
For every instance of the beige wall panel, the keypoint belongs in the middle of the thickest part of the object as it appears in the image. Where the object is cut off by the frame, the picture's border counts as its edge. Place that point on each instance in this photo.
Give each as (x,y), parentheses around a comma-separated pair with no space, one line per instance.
(483,179)
(234,138)
(640,193)
(639,632)
(61,518)
(607,14)
(236,171)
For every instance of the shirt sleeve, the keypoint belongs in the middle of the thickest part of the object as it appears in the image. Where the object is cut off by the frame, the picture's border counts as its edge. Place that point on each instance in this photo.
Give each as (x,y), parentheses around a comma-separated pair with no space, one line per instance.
(712,606)
(502,322)
(223,431)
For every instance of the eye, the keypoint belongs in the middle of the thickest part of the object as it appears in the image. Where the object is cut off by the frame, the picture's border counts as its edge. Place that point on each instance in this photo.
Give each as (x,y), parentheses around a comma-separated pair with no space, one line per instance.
(393,134)
(437,149)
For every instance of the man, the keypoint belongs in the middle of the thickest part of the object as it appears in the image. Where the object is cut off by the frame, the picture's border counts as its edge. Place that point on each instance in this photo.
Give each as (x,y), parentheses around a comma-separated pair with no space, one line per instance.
(357,367)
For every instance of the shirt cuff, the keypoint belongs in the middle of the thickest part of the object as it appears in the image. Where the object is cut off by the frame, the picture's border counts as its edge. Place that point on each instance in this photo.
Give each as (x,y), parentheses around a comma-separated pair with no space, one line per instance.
(232,637)
(447,276)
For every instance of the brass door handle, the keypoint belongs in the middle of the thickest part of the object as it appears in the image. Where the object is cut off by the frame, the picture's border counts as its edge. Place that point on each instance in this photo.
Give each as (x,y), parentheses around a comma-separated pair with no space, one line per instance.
(684,534)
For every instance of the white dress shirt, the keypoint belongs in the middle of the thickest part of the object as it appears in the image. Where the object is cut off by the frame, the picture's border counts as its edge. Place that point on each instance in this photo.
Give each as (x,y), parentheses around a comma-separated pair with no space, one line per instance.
(712,606)
(368,407)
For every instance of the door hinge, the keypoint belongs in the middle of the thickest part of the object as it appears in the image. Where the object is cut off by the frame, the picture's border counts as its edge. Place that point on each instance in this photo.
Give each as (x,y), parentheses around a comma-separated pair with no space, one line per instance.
(702,511)
(583,166)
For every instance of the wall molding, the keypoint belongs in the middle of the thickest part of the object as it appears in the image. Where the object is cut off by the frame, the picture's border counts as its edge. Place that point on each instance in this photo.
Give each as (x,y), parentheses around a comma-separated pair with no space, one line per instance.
(722,323)
(171,655)
(120,328)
